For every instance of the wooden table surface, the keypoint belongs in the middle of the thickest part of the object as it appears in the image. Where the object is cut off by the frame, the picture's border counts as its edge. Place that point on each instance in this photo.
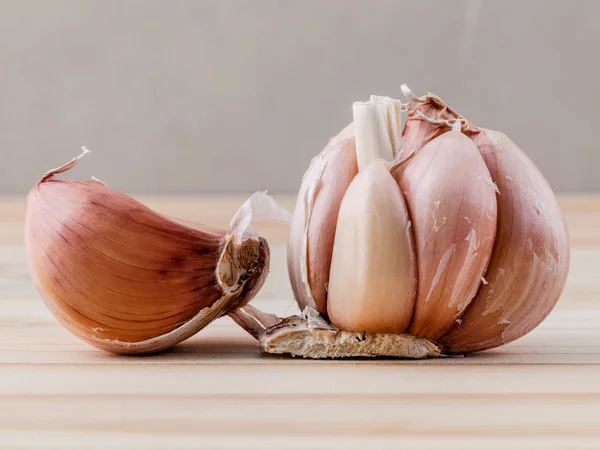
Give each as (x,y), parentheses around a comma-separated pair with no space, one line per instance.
(217,391)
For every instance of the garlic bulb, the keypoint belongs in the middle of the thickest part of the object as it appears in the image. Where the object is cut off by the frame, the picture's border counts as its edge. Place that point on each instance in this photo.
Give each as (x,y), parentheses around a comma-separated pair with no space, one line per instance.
(491,243)
(128,280)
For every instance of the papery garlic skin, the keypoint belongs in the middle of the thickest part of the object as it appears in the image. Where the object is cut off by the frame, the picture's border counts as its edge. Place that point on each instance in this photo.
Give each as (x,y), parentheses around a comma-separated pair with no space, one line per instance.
(314,220)
(126,279)
(372,281)
(452,204)
(531,255)
(530,261)
(431,117)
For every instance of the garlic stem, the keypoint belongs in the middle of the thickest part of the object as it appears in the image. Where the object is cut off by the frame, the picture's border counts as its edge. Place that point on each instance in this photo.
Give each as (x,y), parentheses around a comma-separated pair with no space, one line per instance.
(393,117)
(378,129)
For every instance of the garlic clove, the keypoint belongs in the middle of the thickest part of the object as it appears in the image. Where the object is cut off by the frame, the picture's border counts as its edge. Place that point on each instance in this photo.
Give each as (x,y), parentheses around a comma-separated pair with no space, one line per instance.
(451,201)
(372,281)
(530,260)
(531,255)
(314,220)
(126,279)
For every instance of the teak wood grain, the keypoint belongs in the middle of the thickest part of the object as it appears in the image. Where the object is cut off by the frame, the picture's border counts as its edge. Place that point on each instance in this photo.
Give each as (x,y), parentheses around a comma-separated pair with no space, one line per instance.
(217,391)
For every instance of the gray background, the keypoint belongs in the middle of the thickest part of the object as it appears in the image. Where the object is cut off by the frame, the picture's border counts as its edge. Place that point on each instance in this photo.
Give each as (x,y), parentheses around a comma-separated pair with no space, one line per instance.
(234,96)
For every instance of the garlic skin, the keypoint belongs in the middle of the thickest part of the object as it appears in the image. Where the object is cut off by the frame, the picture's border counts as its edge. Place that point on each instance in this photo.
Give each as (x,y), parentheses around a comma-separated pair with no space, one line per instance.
(430,118)
(531,255)
(125,279)
(372,282)
(452,204)
(530,261)
(314,220)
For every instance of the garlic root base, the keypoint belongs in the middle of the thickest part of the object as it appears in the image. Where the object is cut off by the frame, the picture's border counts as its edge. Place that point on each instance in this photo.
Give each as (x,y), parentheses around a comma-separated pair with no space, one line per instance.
(310,336)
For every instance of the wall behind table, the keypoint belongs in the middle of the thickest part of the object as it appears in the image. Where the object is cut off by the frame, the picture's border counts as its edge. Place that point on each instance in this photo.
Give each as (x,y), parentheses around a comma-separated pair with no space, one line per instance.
(231,96)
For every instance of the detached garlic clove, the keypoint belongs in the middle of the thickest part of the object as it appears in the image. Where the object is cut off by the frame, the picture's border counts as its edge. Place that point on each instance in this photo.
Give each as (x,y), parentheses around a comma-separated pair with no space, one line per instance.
(530,260)
(372,283)
(451,201)
(314,220)
(126,279)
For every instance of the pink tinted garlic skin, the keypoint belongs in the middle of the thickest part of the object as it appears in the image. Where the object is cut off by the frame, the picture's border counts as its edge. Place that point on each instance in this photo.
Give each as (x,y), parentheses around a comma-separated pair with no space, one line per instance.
(531,255)
(530,261)
(127,279)
(452,204)
(314,220)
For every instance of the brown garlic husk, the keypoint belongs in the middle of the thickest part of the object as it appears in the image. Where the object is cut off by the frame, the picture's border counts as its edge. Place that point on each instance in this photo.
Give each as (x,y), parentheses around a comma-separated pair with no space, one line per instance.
(493,256)
(126,279)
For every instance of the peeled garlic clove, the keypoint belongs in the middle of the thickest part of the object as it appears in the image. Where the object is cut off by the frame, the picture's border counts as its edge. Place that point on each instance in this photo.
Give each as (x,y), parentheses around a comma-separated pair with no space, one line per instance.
(372,282)
(314,220)
(451,201)
(530,260)
(126,279)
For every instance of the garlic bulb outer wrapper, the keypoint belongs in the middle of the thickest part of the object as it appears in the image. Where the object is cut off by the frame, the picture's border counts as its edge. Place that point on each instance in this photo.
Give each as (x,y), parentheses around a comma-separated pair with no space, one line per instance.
(531,257)
(372,281)
(452,204)
(314,220)
(126,279)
